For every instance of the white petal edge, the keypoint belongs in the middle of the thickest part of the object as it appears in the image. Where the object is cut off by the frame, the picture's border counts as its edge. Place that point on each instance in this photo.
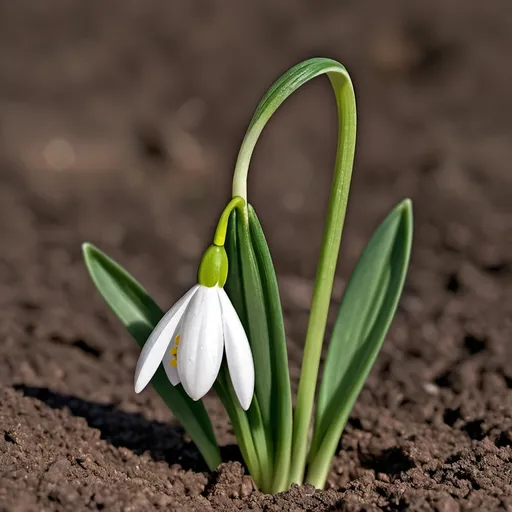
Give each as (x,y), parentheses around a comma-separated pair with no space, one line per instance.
(154,349)
(202,343)
(238,352)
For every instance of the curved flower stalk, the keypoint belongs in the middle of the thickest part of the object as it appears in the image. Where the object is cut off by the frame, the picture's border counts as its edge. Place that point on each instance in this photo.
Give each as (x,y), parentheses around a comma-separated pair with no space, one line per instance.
(235,341)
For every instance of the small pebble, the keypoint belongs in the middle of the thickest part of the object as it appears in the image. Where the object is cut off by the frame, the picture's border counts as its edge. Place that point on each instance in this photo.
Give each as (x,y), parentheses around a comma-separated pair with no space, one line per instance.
(431,389)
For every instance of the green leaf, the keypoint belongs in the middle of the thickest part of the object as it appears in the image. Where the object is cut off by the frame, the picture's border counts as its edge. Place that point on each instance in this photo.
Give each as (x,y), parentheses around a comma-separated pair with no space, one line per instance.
(139,314)
(252,287)
(281,400)
(244,288)
(257,321)
(234,283)
(364,317)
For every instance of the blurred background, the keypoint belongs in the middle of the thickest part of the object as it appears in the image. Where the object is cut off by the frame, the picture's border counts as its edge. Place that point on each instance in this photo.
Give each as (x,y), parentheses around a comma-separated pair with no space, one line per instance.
(120,122)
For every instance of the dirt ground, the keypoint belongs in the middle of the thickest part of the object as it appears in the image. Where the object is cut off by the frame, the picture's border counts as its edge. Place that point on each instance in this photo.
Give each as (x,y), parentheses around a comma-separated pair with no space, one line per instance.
(119,124)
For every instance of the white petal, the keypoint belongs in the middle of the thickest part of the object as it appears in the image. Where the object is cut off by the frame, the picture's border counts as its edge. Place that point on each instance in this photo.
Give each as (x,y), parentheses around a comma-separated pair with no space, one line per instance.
(202,344)
(172,371)
(238,352)
(156,345)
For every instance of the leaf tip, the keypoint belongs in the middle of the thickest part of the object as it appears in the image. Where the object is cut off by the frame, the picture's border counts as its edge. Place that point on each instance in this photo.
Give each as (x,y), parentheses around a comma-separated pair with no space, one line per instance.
(89,249)
(406,205)
(89,253)
(86,247)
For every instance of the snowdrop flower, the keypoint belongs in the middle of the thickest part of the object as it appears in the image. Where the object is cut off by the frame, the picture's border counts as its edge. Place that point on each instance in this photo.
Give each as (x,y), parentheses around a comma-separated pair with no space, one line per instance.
(191,338)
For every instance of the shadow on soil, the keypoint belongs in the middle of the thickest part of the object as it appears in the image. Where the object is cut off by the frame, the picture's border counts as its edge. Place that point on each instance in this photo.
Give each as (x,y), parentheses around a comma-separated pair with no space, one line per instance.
(128,430)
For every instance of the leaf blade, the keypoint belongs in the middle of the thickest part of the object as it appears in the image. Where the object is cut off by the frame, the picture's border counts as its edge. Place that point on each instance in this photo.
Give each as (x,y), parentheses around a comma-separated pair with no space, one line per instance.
(281,404)
(139,313)
(257,325)
(364,317)
(243,287)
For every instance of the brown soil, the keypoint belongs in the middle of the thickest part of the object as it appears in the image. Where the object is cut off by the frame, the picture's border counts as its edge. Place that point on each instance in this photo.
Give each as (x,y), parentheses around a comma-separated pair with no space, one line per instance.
(115,127)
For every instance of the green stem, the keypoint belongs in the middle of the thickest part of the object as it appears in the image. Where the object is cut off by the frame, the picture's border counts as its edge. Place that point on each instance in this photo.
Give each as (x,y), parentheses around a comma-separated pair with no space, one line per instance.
(346,106)
(222,226)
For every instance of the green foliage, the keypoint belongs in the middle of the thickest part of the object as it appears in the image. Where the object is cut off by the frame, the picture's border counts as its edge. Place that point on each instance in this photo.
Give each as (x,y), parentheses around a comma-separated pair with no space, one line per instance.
(272,437)
(363,319)
(139,314)
(252,287)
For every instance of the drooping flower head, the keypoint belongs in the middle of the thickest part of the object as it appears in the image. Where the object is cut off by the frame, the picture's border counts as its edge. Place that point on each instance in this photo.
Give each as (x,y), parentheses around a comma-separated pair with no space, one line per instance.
(191,338)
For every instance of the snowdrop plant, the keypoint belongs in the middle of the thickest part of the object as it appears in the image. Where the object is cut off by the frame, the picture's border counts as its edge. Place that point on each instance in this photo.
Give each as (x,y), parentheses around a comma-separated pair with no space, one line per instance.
(227,331)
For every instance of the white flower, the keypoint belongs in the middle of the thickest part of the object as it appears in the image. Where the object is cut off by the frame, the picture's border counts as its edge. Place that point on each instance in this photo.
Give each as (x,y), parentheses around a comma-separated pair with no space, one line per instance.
(190,340)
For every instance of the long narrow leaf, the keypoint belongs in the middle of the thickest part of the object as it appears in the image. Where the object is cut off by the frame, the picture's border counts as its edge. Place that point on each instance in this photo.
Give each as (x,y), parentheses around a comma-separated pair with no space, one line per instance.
(245,291)
(257,323)
(246,434)
(281,400)
(235,284)
(139,314)
(363,320)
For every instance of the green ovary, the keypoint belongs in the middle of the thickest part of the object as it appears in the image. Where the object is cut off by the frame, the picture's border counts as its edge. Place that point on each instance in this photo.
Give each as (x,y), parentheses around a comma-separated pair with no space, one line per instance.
(213,270)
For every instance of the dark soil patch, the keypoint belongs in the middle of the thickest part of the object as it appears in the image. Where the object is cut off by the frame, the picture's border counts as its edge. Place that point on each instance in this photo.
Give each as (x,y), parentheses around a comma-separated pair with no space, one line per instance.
(115,127)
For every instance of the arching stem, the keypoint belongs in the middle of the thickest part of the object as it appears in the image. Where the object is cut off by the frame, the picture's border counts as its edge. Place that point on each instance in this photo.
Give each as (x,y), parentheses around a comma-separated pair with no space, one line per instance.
(345,100)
